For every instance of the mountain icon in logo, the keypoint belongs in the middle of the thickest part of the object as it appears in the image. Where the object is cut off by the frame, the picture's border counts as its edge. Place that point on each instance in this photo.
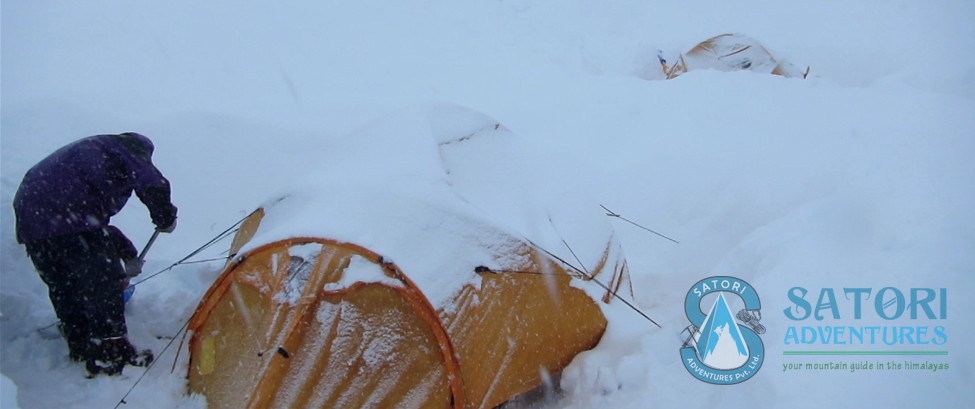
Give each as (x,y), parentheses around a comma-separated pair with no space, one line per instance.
(720,344)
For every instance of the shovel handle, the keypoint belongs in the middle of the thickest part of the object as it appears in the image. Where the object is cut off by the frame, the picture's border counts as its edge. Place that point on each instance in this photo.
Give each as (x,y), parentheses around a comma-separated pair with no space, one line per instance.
(142,255)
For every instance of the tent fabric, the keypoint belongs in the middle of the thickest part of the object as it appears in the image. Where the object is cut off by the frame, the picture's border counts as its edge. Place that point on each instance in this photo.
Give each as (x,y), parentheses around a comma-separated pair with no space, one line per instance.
(315,323)
(276,331)
(731,52)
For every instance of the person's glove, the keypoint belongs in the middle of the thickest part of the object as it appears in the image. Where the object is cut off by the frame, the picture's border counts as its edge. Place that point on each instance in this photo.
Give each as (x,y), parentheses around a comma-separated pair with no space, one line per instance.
(133,267)
(167,229)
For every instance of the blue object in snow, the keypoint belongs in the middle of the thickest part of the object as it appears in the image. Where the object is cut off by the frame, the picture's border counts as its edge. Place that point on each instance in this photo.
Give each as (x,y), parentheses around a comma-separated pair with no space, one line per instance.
(127,293)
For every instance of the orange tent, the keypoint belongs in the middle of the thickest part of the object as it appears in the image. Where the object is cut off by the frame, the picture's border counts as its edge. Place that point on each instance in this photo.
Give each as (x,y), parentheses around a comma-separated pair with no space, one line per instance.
(731,52)
(316,323)
(446,309)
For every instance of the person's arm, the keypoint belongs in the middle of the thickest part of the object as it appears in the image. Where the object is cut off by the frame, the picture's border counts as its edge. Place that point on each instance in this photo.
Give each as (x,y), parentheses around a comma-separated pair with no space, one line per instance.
(161,209)
(152,188)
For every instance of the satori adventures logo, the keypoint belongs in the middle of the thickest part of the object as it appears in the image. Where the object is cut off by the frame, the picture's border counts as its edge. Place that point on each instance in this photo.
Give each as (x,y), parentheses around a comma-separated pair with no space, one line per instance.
(718,349)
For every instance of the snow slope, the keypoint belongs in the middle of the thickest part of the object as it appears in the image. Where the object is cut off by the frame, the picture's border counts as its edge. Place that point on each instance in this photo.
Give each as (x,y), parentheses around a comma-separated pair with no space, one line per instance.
(860,176)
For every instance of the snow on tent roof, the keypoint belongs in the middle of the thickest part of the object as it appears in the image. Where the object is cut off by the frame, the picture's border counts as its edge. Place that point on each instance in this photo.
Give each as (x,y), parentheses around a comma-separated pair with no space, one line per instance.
(731,52)
(440,176)
(401,255)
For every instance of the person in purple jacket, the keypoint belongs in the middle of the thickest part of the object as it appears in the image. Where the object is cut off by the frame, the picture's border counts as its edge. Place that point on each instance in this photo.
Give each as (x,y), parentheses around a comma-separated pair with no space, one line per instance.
(63,207)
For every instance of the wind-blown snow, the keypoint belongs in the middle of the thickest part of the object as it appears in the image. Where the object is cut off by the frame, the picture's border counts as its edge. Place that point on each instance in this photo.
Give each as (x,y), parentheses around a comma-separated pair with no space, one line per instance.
(859,176)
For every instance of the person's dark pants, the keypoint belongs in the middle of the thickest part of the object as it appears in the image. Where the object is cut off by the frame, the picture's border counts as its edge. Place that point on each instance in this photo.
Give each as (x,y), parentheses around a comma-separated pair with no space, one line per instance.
(84,275)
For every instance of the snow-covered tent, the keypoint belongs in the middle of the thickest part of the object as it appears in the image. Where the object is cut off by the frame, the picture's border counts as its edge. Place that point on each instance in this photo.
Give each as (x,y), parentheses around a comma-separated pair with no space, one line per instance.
(358,289)
(731,52)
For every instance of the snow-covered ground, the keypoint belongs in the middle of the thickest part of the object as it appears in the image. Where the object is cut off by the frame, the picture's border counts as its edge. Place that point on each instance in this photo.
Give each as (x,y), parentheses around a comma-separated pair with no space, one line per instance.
(859,176)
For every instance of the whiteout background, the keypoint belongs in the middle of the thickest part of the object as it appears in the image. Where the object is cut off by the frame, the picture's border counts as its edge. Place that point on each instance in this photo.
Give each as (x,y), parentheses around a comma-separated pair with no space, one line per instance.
(860,176)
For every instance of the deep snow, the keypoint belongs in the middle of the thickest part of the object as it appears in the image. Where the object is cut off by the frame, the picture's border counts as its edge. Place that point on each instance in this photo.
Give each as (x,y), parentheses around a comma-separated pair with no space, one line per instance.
(860,176)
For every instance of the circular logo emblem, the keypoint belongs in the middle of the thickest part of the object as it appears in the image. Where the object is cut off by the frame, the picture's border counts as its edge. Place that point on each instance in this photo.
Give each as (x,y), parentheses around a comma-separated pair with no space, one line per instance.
(720,347)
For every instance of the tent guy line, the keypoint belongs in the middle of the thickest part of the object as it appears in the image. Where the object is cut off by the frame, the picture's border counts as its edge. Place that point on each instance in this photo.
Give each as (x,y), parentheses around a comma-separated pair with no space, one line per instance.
(224,234)
(593,278)
(611,213)
(209,260)
(182,329)
(586,273)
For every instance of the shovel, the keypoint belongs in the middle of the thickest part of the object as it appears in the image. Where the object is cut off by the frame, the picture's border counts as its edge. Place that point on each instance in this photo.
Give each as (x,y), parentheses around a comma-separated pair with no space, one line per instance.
(130,288)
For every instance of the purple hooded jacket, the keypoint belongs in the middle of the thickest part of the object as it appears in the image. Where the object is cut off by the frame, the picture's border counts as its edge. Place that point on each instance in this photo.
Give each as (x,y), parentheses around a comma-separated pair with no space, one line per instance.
(80,186)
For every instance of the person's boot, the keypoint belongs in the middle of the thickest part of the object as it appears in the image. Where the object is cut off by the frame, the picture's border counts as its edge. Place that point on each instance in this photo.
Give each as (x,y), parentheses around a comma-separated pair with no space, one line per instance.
(97,367)
(109,356)
(142,358)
